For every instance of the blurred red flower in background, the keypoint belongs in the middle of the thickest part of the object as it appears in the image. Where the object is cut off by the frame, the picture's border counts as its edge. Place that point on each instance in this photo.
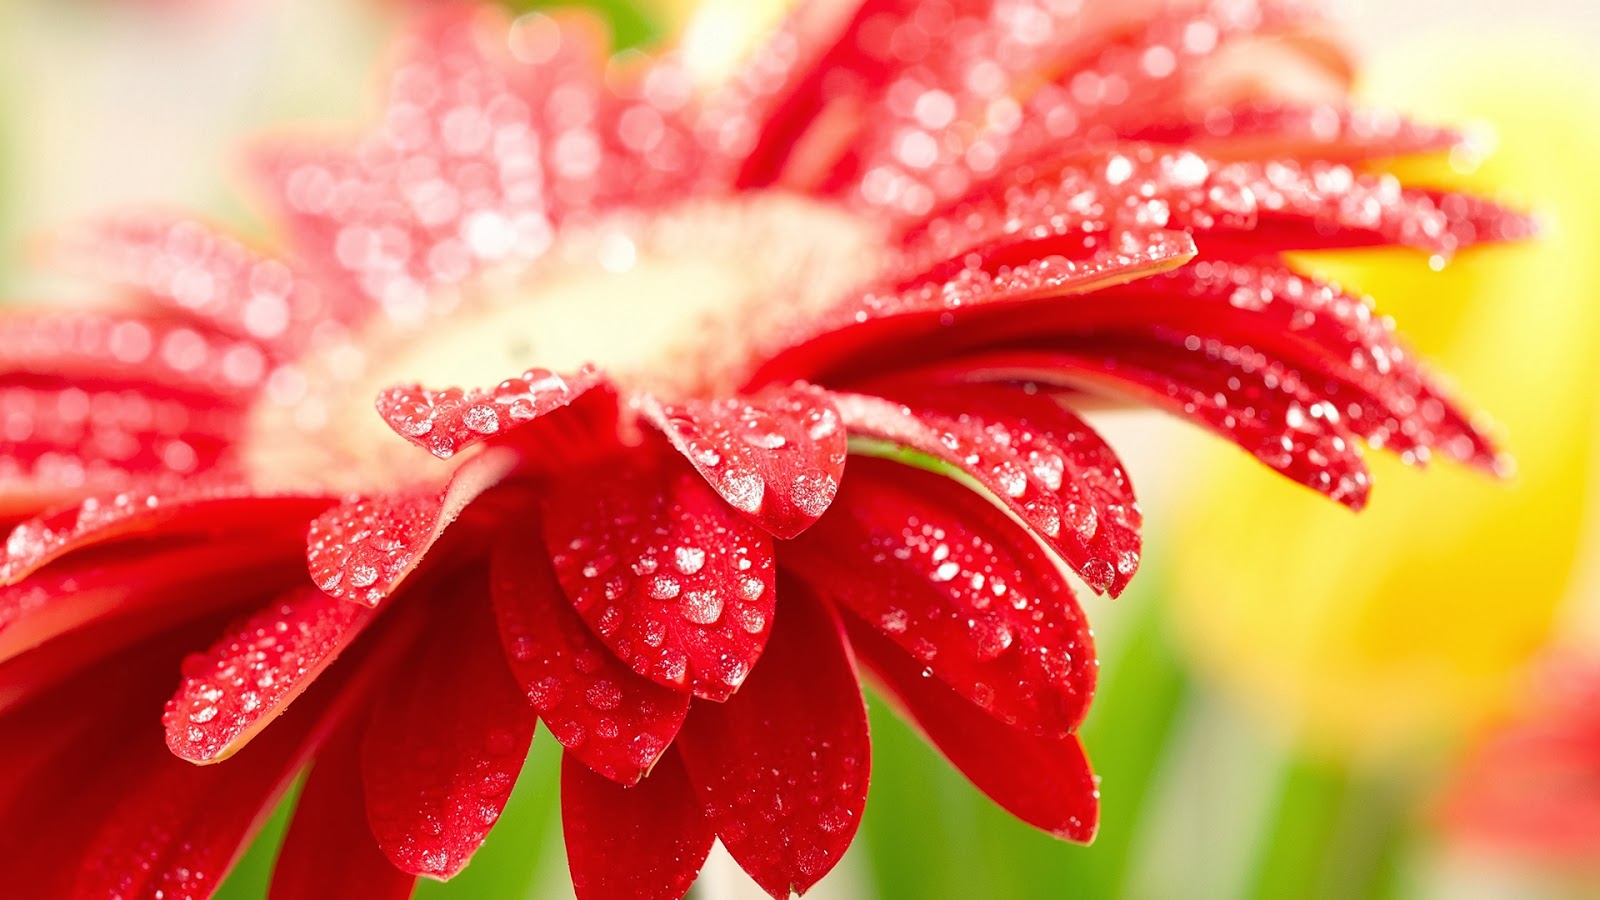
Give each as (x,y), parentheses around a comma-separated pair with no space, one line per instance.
(904,233)
(1531,788)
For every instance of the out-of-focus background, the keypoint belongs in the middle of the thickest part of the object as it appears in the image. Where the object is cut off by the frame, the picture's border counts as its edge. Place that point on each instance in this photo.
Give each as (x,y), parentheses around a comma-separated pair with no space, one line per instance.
(1297,702)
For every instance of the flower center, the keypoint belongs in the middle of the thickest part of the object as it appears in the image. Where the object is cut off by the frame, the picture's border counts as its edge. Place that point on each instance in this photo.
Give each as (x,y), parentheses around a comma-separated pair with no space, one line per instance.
(678,302)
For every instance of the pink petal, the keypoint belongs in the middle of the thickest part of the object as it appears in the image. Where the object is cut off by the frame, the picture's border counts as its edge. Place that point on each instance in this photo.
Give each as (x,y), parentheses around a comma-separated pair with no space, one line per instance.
(447,738)
(249,676)
(675,582)
(607,717)
(641,842)
(362,549)
(329,852)
(131,351)
(1042,780)
(782,767)
(1268,130)
(191,266)
(1044,463)
(444,422)
(955,582)
(777,456)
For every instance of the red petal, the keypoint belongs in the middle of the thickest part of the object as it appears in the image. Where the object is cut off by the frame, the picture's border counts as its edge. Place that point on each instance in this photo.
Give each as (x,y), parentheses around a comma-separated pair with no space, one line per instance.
(194,267)
(1040,460)
(182,513)
(70,441)
(955,582)
(1044,781)
(877,329)
(1308,326)
(641,842)
(1241,395)
(777,456)
(447,738)
(782,767)
(364,548)
(147,590)
(444,422)
(329,851)
(249,676)
(677,584)
(175,829)
(612,720)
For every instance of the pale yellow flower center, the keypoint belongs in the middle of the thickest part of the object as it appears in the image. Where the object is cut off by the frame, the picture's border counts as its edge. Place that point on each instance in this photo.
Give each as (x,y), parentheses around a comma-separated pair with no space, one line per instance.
(678,302)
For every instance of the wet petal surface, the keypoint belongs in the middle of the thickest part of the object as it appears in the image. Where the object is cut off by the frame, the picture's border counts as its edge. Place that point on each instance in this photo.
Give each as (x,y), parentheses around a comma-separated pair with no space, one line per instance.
(1044,463)
(675,582)
(362,549)
(782,767)
(956,583)
(444,422)
(641,842)
(1044,781)
(606,716)
(245,680)
(448,736)
(777,456)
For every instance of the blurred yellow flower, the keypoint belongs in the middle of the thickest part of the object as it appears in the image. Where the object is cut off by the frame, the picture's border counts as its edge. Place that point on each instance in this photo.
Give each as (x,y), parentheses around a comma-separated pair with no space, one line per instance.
(1384,631)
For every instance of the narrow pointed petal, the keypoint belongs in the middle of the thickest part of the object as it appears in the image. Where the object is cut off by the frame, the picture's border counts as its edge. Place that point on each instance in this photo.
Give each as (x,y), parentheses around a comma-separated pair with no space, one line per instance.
(609,718)
(641,842)
(329,852)
(878,329)
(1044,463)
(1042,780)
(776,457)
(954,581)
(158,586)
(1258,404)
(675,582)
(447,738)
(182,512)
(193,267)
(1308,326)
(362,549)
(782,767)
(252,674)
(445,422)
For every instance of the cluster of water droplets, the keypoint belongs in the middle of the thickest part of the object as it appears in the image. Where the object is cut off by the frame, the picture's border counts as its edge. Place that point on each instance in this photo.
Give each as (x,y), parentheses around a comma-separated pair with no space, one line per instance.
(674,583)
(616,722)
(1378,388)
(777,457)
(244,680)
(1064,493)
(447,420)
(360,549)
(969,595)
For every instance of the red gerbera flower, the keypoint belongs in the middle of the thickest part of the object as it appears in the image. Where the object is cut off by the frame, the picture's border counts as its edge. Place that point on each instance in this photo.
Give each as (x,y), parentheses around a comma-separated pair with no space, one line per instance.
(906,233)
